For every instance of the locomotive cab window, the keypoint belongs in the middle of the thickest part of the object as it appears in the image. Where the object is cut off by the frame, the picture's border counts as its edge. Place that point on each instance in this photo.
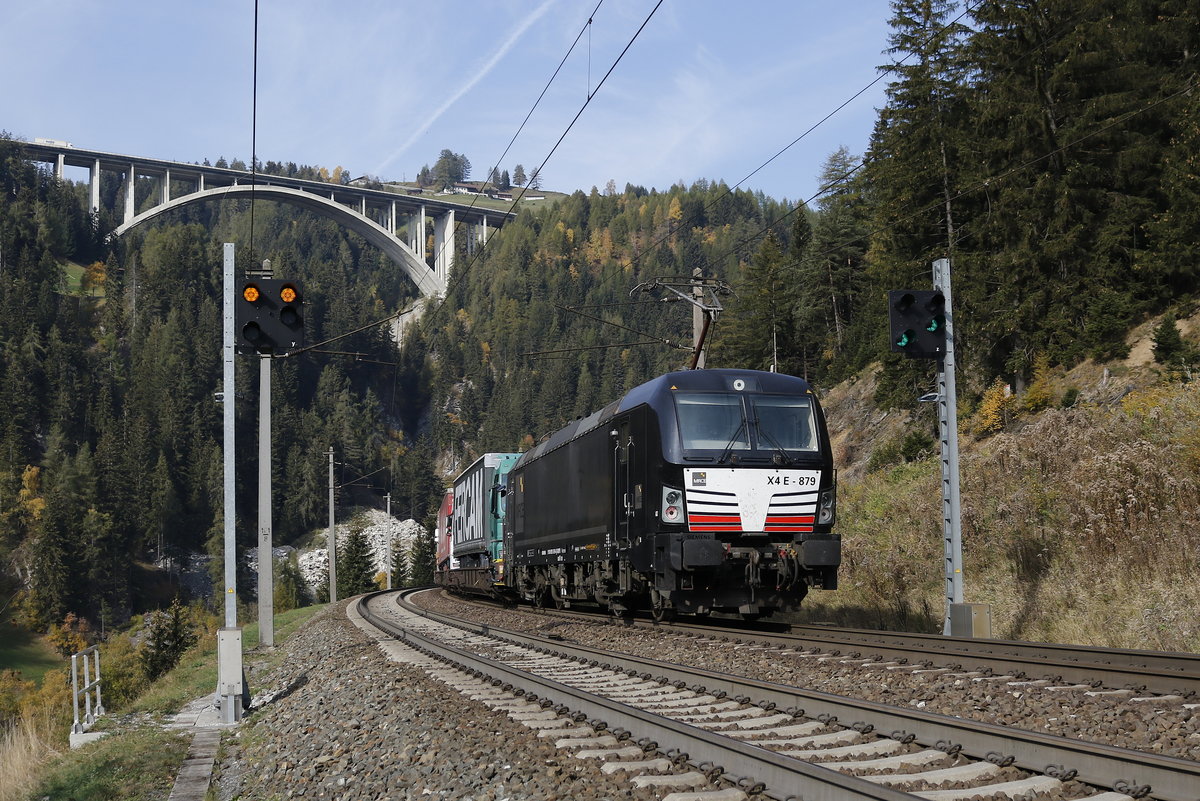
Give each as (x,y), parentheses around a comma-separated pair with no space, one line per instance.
(785,422)
(712,421)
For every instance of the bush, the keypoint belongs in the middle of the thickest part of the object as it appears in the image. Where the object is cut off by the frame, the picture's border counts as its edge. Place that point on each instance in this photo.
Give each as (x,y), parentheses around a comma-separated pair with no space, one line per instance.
(71,636)
(168,635)
(994,409)
(291,591)
(122,678)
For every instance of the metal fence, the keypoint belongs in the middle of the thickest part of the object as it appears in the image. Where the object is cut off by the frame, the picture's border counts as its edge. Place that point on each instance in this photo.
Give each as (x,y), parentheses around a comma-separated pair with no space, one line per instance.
(91,664)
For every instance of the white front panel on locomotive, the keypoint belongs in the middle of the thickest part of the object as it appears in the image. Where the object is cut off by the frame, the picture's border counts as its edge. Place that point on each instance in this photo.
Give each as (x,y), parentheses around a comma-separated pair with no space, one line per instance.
(751,500)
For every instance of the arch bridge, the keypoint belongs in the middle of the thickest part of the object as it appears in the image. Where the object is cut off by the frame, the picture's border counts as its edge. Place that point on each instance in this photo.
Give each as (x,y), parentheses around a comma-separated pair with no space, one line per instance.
(395,223)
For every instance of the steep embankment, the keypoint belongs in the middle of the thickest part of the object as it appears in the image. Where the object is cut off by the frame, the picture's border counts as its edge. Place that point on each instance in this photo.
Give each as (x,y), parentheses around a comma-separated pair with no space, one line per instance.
(1077,518)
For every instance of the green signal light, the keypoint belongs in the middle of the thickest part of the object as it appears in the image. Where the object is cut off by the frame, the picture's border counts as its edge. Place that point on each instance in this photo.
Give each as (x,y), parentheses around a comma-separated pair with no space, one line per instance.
(905,339)
(936,324)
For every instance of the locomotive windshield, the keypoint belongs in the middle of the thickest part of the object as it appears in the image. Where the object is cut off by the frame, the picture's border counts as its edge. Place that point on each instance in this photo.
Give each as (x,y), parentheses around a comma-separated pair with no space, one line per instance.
(785,422)
(718,421)
(711,420)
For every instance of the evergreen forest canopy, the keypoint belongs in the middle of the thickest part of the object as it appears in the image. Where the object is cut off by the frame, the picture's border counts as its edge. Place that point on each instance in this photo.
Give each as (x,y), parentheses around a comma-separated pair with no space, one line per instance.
(1046,148)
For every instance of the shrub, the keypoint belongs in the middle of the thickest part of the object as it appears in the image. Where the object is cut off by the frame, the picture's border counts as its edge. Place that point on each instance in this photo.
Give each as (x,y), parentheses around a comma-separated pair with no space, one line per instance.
(168,635)
(994,409)
(1040,394)
(122,678)
(71,636)
(291,591)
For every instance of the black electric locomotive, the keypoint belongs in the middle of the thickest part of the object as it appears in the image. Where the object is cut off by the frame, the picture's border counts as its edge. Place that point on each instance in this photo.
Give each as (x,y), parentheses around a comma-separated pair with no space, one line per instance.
(699,491)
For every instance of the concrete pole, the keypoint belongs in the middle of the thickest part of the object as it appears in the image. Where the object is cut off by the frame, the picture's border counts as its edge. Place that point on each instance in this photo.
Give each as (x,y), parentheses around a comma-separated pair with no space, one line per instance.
(331,542)
(165,195)
(229,657)
(59,164)
(697,317)
(948,426)
(266,567)
(387,565)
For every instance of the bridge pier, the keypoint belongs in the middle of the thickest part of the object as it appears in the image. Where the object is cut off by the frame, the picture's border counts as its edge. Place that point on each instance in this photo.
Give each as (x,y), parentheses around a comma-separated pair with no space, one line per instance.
(94,187)
(443,246)
(416,232)
(131,181)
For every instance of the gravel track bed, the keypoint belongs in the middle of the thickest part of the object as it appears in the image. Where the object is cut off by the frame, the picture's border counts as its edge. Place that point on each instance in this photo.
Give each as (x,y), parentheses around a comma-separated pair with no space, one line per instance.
(1163,726)
(338,720)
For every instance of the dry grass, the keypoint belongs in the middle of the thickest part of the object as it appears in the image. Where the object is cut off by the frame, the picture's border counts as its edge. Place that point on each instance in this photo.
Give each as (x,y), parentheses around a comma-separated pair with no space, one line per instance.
(26,743)
(1078,526)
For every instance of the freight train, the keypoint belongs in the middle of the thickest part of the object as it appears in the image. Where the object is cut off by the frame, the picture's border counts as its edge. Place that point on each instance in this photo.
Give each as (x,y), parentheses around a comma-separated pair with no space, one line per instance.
(697,492)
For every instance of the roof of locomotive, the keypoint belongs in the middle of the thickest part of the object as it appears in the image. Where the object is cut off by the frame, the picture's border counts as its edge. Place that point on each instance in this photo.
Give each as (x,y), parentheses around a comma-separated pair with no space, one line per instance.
(656,393)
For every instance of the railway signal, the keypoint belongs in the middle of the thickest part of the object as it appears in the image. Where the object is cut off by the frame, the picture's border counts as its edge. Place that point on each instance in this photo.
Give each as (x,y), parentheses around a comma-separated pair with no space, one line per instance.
(917,320)
(270,317)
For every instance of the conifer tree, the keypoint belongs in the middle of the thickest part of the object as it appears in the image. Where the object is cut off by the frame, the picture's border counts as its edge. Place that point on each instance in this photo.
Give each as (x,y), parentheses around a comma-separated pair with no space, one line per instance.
(401,575)
(1169,346)
(421,559)
(355,565)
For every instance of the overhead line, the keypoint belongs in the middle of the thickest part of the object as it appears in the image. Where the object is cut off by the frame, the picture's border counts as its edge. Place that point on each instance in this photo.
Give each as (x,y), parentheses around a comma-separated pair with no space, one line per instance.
(968,7)
(463,273)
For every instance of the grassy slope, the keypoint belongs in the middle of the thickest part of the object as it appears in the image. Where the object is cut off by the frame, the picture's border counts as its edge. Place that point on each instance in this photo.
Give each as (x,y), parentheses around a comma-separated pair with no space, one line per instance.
(24,651)
(1077,523)
(141,762)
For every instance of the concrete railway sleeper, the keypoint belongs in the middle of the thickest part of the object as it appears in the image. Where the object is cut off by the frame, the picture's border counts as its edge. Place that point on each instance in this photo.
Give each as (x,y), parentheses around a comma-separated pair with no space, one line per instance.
(1104,671)
(760,733)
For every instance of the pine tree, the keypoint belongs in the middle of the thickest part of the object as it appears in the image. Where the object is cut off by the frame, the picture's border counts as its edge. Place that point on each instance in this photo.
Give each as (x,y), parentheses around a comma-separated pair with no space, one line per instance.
(421,559)
(168,635)
(355,565)
(1169,346)
(401,576)
(518,176)
(291,591)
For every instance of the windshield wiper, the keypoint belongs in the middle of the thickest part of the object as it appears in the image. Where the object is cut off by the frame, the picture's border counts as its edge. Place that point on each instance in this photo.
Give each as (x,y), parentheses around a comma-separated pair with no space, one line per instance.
(779,451)
(725,453)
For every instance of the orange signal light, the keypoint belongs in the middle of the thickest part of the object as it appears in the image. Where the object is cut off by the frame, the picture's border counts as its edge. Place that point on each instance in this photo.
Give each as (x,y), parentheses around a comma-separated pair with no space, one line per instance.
(250,293)
(288,294)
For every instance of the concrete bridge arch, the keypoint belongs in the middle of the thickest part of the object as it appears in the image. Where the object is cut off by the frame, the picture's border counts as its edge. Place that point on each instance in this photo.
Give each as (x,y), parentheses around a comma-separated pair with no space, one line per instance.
(429,282)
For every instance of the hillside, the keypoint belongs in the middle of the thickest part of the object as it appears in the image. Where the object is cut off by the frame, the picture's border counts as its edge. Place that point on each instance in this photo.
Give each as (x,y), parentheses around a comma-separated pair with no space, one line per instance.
(1077,521)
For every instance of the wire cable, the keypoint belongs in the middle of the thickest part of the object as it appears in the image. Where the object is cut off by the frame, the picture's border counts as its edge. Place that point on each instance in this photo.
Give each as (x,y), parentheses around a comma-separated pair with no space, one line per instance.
(460,276)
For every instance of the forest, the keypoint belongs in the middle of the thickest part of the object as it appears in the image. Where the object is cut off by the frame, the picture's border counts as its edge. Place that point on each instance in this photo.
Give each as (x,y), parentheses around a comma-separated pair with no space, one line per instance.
(1047,148)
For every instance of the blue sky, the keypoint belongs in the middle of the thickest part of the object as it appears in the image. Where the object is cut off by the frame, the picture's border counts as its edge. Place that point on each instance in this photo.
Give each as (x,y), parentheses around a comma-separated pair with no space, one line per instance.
(710,88)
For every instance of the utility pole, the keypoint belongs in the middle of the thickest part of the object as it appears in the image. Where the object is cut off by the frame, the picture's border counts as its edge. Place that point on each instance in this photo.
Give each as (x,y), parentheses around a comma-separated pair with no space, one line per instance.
(331,545)
(266,566)
(387,567)
(704,311)
(948,429)
(229,639)
(266,561)
(699,320)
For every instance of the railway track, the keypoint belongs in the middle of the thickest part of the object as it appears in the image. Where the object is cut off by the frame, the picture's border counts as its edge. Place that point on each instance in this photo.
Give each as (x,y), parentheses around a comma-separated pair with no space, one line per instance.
(1125,670)
(753,736)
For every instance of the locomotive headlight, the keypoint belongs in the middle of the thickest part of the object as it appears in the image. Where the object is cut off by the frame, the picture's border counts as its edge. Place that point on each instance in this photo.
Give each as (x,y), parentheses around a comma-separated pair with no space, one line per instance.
(828,503)
(672,505)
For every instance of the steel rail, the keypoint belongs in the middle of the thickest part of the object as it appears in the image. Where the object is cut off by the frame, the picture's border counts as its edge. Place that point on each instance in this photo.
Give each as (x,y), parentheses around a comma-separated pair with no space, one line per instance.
(1169,778)
(784,777)
(1159,672)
